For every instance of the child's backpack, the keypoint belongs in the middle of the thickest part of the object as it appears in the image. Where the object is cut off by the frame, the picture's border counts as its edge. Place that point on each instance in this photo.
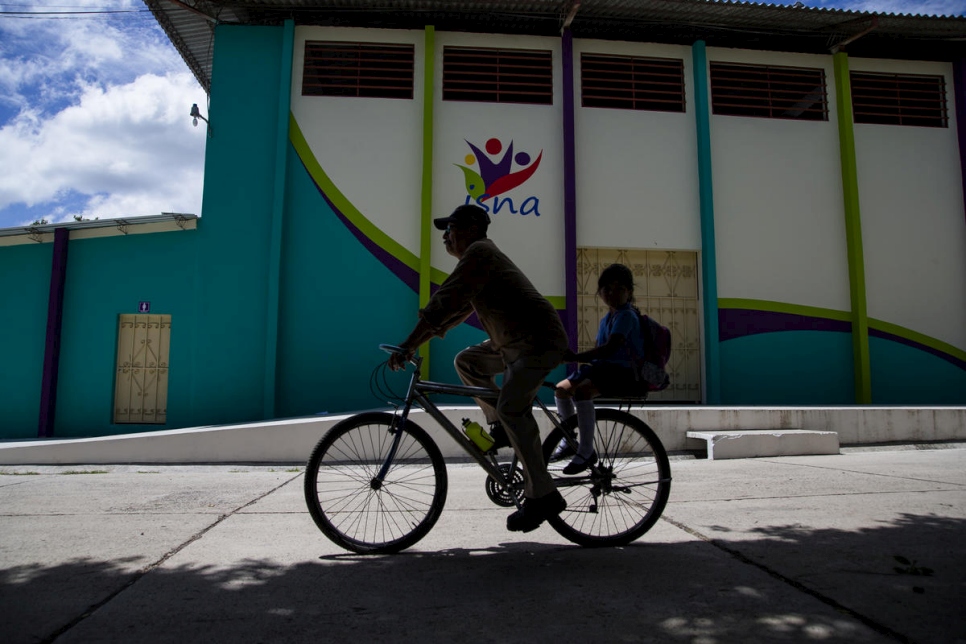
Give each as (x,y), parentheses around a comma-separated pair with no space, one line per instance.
(657,350)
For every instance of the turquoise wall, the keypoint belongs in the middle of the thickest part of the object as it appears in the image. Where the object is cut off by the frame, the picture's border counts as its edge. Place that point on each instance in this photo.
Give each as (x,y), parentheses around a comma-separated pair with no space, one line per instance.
(232,265)
(25,272)
(905,375)
(212,281)
(788,368)
(338,303)
(106,277)
(815,368)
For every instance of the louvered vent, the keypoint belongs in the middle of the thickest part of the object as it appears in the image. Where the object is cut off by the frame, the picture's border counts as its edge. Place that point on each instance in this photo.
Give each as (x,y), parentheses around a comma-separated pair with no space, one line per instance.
(368,70)
(631,83)
(497,75)
(769,92)
(899,99)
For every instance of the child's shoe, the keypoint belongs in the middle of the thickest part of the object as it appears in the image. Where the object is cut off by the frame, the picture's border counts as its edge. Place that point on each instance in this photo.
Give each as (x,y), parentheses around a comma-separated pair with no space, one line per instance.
(580,463)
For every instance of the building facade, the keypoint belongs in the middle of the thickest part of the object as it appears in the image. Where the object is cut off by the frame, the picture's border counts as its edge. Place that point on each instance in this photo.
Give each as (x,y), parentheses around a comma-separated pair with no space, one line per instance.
(793,213)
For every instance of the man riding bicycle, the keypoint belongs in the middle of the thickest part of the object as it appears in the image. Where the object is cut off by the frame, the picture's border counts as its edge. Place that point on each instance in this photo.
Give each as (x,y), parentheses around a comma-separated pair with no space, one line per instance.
(526,342)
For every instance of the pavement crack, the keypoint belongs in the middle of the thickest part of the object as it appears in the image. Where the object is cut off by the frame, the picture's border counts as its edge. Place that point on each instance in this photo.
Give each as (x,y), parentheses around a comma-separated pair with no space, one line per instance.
(882,629)
(93,608)
(888,476)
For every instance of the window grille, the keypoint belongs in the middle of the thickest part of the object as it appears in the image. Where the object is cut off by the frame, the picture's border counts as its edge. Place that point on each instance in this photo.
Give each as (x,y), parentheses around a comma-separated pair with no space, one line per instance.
(769,92)
(899,99)
(631,83)
(365,70)
(497,75)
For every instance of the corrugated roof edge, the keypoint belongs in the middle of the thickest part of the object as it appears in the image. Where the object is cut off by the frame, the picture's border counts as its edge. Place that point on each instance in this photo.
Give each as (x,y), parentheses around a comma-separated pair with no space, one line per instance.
(899,35)
(836,10)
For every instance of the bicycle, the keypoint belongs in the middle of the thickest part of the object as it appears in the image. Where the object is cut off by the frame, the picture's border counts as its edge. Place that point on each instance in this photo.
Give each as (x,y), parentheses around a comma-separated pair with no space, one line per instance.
(376,482)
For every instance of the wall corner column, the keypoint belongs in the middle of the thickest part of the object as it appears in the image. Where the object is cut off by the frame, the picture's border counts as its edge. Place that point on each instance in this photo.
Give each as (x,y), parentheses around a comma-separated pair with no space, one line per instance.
(570,190)
(426,196)
(55,315)
(278,216)
(709,274)
(853,232)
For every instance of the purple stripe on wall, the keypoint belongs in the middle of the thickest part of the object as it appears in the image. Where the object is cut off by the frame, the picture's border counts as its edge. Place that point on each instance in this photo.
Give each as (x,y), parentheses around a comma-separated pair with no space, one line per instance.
(409,276)
(953,360)
(570,192)
(959,91)
(738,323)
(55,314)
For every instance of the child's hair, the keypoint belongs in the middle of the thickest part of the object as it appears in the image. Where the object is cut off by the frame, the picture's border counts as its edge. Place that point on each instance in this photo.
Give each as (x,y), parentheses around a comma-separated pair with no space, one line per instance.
(622,275)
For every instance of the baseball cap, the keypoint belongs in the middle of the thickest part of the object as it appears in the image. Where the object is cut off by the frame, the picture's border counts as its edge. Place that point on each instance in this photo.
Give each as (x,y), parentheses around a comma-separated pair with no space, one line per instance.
(465,215)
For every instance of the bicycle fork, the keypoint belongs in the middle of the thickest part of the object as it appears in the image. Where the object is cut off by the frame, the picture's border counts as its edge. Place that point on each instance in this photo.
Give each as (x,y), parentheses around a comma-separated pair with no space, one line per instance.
(399,421)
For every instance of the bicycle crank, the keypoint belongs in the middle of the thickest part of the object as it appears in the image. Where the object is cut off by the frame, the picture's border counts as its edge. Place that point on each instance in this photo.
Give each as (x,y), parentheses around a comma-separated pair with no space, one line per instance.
(500,495)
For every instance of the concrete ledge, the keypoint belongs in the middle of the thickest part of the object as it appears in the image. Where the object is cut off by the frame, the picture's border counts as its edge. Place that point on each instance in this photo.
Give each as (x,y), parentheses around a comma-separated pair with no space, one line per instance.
(766,442)
(292,440)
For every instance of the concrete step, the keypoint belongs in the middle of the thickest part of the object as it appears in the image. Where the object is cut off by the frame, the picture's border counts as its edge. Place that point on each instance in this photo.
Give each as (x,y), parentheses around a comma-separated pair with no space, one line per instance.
(750,443)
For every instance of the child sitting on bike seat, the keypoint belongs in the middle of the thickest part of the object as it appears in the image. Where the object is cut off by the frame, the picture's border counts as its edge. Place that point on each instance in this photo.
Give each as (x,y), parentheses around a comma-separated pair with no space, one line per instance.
(610,368)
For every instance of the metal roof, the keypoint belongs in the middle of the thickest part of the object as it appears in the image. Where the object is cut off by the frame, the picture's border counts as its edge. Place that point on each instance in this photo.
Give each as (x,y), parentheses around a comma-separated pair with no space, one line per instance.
(720,23)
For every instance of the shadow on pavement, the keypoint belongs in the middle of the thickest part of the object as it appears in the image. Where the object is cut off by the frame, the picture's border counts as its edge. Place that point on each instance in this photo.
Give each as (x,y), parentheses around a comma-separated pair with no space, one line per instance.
(676,592)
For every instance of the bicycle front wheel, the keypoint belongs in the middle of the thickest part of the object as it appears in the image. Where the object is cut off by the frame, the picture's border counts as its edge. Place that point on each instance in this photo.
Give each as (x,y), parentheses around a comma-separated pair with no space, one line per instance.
(361,511)
(623,494)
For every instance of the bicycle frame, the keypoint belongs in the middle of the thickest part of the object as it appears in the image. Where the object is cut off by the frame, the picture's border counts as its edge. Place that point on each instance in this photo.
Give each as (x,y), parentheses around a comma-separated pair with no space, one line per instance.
(377,484)
(418,393)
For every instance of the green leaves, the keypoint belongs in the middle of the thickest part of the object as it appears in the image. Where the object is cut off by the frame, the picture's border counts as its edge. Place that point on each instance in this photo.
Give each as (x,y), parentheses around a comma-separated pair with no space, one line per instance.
(911,567)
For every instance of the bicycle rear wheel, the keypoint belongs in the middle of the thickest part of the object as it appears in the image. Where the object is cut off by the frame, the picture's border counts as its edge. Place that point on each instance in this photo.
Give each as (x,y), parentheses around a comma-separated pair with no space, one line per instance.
(623,494)
(361,513)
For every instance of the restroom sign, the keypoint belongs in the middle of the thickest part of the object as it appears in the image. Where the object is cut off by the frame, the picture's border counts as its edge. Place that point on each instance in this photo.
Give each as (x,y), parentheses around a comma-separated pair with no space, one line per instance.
(144,307)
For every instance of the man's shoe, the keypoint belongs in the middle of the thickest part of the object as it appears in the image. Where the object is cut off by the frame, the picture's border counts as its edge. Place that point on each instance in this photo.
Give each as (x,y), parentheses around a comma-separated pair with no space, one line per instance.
(498,434)
(579,464)
(535,512)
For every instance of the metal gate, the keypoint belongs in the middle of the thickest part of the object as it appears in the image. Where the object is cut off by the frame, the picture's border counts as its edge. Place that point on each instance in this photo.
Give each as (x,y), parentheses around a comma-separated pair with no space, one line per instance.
(665,288)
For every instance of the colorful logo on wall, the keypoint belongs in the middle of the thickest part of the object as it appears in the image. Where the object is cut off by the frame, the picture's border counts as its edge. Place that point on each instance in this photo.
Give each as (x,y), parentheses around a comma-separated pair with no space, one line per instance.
(499,171)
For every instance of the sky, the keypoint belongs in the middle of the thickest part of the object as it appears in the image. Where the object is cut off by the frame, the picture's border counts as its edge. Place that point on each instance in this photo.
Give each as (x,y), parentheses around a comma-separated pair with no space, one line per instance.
(94,109)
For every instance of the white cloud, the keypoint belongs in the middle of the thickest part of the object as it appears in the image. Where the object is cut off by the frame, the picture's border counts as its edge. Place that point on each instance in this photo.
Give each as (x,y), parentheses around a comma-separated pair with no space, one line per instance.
(94,117)
(133,142)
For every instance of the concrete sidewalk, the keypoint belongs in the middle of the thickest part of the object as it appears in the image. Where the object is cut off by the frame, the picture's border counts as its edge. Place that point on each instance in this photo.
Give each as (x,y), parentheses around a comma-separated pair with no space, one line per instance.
(818,548)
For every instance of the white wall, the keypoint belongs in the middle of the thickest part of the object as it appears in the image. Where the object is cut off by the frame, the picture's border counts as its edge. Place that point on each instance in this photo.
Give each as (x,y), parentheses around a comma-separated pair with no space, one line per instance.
(371,148)
(636,170)
(913,225)
(534,243)
(778,203)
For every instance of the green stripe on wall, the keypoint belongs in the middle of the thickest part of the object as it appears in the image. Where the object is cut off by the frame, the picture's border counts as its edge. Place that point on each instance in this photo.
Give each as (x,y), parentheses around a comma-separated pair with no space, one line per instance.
(853,232)
(340,201)
(919,338)
(782,307)
(426,220)
(842,316)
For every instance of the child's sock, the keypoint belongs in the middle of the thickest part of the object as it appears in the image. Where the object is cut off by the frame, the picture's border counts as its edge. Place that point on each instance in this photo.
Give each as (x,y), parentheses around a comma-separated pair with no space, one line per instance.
(565,407)
(586,423)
